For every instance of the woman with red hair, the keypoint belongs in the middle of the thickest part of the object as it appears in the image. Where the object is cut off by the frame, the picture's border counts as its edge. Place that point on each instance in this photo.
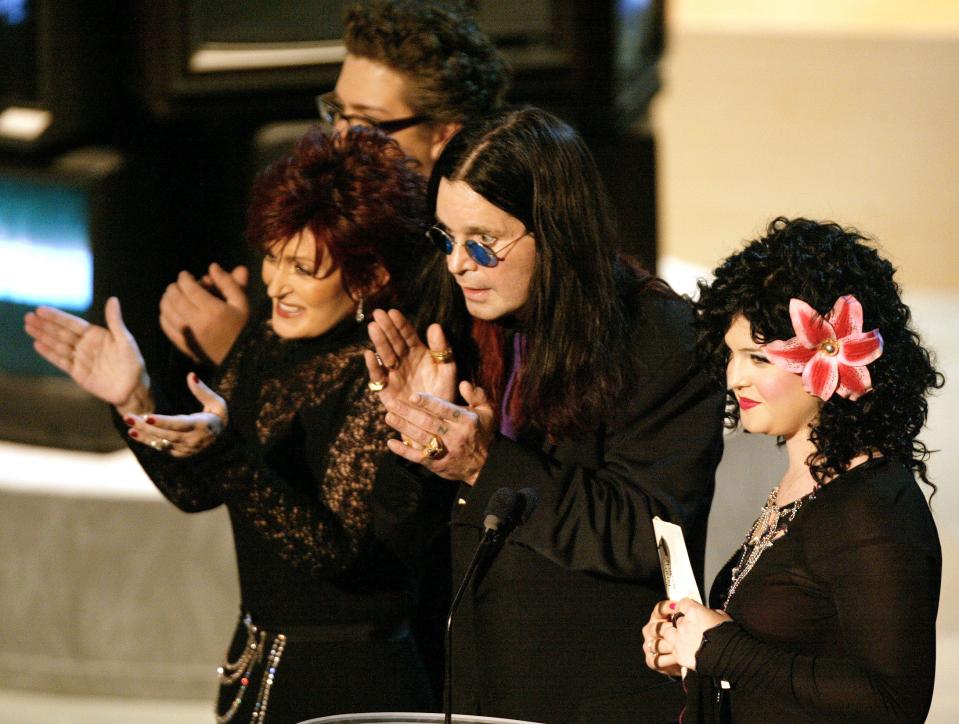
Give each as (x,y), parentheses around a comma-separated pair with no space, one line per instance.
(291,439)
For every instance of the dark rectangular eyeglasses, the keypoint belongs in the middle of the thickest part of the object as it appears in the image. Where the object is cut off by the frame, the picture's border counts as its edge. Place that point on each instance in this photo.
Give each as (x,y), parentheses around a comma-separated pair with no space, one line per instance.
(331,113)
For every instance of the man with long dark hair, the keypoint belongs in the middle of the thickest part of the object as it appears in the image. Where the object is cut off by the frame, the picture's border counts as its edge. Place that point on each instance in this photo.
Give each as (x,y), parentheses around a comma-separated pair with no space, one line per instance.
(579,382)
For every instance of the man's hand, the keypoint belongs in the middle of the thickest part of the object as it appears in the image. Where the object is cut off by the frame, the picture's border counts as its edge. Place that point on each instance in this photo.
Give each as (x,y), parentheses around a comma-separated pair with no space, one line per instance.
(204,318)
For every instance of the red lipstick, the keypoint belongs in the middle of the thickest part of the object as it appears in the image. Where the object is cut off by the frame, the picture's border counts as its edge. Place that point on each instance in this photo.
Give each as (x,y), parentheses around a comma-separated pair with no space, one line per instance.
(745,403)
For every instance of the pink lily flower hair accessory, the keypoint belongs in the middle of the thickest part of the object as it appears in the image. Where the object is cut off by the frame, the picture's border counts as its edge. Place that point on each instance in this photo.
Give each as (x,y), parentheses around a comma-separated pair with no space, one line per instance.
(830,353)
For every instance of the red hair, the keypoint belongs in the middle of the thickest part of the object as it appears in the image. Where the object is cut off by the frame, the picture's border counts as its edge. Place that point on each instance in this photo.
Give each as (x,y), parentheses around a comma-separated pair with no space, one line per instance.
(357,193)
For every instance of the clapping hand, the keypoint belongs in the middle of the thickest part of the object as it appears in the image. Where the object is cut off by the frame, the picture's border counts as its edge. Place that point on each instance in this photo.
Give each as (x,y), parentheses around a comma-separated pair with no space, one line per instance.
(451,440)
(416,384)
(105,362)
(203,318)
(183,435)
(403,365)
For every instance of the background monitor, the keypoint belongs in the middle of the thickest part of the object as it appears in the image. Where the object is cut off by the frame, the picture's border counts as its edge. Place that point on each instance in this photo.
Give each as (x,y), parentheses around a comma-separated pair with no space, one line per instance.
(53,81)
(70,237)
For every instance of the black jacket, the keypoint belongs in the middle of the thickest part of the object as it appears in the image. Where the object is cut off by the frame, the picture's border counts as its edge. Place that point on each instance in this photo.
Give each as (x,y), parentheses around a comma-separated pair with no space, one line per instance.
(552,629)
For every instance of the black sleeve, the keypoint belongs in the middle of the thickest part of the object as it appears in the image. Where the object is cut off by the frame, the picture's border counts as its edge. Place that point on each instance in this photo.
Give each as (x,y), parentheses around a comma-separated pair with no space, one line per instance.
(658,458)
(188,492)
(882,570)
(411,508)
(322,524)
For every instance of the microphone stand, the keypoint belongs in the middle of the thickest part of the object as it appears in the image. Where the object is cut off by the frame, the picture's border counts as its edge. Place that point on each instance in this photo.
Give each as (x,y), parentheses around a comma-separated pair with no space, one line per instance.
(504,512)
(491,539)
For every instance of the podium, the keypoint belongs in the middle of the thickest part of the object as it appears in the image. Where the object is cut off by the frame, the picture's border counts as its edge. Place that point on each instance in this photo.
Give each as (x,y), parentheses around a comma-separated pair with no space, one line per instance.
(410,718)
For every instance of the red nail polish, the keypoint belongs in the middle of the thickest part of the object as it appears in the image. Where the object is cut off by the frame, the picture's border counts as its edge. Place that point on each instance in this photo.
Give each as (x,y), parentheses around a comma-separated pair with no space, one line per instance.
(672,606)
(150,421)
(194,378)
(134,433)
(129,421)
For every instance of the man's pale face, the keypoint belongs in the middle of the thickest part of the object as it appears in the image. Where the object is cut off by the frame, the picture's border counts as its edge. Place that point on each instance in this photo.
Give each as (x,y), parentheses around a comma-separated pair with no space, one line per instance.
(372,89)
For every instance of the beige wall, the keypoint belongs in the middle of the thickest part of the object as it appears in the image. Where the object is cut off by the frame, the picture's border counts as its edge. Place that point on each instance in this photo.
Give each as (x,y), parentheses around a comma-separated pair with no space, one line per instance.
(841,116)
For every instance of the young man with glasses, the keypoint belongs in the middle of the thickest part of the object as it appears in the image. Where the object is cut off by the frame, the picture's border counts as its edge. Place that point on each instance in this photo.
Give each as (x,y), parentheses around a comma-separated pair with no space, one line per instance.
(416,69)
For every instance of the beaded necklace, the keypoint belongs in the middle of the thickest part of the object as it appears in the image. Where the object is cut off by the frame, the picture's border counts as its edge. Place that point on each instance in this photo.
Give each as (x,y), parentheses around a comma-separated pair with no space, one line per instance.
(242,670)
(770,526)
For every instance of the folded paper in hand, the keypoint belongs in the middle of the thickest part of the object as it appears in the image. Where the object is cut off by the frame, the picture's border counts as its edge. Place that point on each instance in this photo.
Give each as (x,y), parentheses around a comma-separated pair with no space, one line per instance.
(678,575)
(674,561)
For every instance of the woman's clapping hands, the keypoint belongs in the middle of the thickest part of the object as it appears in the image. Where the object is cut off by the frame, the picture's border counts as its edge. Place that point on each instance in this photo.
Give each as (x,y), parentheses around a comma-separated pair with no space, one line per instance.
(105,362)
(182,435)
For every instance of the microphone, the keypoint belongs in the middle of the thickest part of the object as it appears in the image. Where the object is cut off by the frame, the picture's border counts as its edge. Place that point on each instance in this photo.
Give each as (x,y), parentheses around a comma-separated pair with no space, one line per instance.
(499,510)
(502,512)
(526,502)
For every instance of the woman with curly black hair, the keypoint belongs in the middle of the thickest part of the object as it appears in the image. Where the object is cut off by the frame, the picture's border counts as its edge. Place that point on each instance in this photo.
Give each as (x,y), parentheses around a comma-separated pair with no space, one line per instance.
(828,611)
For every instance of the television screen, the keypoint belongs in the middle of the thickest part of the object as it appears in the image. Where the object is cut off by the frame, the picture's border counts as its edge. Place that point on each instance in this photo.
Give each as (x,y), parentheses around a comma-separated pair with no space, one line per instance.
(72,232)
(47,259)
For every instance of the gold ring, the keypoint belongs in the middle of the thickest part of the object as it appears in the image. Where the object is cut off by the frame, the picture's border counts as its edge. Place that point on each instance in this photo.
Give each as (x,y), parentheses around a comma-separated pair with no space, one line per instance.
(165,444)
(406,441)
(435,449)
(443,356)
(395,365)
(375,386)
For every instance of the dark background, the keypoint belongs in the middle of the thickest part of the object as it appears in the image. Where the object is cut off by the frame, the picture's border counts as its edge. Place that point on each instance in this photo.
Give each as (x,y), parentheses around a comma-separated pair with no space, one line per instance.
(166,153)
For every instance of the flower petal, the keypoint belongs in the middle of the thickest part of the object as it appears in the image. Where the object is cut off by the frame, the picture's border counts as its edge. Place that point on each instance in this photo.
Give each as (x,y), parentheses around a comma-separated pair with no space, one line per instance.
(860,349)
(808,324)
(853,381)
(846,316)
(821,376)
(790,355)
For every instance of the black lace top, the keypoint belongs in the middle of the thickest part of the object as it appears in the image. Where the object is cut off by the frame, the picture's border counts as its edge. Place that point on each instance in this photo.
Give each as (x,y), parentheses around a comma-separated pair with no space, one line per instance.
(836,621)
(296,468)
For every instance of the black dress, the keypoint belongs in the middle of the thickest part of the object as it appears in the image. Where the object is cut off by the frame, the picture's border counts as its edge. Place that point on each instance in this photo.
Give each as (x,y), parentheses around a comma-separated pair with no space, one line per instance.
(551,630)
(325,582)
(837,620)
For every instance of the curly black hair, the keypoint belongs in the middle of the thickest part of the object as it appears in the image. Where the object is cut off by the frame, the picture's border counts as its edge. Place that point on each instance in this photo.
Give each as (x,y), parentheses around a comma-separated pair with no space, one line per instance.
(453,70)
(818,262)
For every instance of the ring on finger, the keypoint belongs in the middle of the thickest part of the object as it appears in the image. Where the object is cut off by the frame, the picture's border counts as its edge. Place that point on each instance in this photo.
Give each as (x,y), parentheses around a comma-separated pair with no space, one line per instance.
(379,360)
(376,385)
(651,646)
(435,449)
(442,356)
(676,618)
(165,444)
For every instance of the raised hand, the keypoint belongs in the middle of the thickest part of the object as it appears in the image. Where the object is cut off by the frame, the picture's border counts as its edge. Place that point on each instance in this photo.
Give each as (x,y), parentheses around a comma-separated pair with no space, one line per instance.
(204,318)
(105,362)
(408,366)
(183,435)
(451,440)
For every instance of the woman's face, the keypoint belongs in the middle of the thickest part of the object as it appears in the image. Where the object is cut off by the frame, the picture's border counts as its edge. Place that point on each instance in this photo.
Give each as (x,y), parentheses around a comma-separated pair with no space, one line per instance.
(305,304)
(771,400)
(490,292)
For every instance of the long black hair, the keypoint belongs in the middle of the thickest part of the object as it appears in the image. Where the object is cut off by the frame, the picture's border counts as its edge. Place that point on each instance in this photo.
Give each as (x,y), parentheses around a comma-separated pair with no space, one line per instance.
(537,168)
(818,263)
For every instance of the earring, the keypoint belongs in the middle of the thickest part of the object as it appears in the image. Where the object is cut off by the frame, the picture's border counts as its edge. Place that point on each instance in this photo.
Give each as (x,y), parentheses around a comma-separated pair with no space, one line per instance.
(360,315)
